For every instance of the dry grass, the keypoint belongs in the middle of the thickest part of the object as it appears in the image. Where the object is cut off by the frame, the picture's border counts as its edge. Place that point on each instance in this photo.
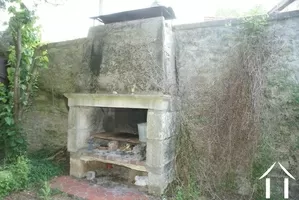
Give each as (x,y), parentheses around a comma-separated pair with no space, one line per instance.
(221,130)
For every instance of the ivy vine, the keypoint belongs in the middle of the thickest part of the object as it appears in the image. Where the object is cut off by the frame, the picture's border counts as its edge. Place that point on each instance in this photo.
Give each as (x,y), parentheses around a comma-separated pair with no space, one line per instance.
(24,61)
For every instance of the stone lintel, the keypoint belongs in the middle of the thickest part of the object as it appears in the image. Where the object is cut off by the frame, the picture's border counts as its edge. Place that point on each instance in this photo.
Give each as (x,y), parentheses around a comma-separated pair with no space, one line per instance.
(154,102)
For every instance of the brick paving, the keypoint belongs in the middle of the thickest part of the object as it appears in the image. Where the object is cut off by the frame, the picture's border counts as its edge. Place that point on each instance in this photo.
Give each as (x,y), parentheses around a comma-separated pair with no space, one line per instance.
(85,190)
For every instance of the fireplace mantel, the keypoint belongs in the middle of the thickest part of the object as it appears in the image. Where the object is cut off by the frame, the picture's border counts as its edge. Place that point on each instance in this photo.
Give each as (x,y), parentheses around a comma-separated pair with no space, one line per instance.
(153,102)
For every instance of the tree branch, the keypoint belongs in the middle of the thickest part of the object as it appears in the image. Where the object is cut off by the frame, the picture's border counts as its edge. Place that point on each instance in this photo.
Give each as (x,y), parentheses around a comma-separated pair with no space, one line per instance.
(18,46)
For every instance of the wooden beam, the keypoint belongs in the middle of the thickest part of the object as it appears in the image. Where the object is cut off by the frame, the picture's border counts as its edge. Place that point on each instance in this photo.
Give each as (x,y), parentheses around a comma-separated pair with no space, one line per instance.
(121,137)
(128,165)
(280,6)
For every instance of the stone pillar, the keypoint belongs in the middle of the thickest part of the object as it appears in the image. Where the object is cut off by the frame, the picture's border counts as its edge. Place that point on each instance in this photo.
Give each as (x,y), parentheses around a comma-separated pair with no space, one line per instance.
(78,168)
(162,127)
(80,127)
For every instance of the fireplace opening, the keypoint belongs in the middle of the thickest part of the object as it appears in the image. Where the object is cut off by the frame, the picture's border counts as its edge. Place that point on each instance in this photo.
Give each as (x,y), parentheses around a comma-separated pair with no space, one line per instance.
(105,144)
(120,137)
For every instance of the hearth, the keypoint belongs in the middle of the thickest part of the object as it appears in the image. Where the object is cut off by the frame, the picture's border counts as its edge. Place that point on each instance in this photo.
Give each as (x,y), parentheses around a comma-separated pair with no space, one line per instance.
(103,128)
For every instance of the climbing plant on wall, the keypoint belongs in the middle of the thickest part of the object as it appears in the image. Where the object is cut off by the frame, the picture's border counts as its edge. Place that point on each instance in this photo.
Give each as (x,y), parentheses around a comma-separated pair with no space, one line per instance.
(24,60)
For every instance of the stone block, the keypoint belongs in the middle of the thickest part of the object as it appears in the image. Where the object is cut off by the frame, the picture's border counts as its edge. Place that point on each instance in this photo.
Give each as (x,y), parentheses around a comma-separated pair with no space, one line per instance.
(159,153)
(161,125)
(169,59)
(161,169)
(78,168)
(82,138)
(77,139)
(157,183)
(72,140)
(80,117)
(154,102)
(72,118)
(156,190)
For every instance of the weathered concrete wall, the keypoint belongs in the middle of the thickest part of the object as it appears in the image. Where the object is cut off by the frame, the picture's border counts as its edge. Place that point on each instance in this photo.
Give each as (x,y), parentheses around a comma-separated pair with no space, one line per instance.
(68,69)
(45,122)
(134,55)
(202,54)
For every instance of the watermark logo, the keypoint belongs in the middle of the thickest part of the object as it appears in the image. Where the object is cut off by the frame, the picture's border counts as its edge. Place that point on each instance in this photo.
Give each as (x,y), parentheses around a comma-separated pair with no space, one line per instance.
(286,181)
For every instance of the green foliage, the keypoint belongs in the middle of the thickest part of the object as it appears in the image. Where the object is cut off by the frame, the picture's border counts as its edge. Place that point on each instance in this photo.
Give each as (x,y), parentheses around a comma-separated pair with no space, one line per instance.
(24,60)
(20,171)
(279,106)
(42,170)
(28,172)
(14,177)
(235,13)
(45,192)
(31,59)
(6,183)
(254,26)
(261,163)
(189,191)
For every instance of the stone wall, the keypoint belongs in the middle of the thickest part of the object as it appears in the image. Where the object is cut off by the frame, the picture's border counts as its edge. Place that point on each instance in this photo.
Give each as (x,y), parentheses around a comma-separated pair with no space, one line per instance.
(138,57)
(68,69)
(130,56)
(203,52)
(45,122)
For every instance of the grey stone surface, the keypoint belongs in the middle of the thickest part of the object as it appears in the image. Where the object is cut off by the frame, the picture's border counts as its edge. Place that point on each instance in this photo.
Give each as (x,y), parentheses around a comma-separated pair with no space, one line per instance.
(77,168)
(157,183)
(160,152)
(157,102)
(161,125)
(46,122)
(169,59)
(161,169)
(131,55)
(68,69)
(202,51)
(72,140)
(83,121)
(237,21)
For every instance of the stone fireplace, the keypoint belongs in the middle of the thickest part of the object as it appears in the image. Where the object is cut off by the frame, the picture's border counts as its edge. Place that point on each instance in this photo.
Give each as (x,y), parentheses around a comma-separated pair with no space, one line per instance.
(92,135)
(128,78)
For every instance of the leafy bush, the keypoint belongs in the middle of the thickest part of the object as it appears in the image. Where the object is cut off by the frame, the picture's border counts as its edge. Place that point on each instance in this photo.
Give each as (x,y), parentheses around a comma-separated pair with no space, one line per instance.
(189,191)
(25,173)
(6,183)
(45,191)
(14,177)
(42,170)
(20,172)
